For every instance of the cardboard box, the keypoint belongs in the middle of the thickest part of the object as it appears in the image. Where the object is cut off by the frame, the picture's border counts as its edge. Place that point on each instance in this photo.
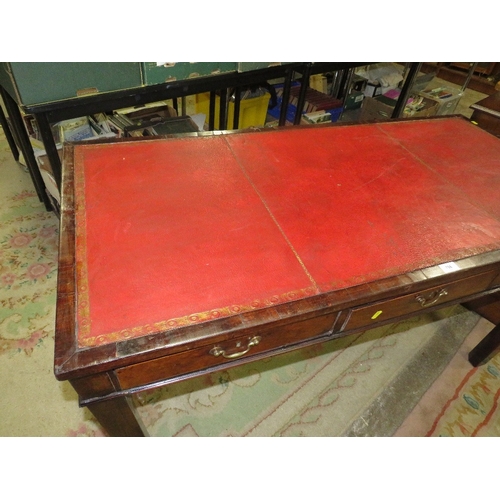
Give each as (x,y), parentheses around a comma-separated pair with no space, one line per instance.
(374,109)
(30,83)
(381,108)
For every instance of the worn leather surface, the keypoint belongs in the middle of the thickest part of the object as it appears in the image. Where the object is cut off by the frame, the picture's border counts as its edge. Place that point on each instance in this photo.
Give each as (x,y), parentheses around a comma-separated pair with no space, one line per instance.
(178,231)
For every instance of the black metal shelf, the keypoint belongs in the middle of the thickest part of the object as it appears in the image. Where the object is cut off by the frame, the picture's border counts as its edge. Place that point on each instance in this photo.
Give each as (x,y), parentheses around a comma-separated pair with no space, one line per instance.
(52,112)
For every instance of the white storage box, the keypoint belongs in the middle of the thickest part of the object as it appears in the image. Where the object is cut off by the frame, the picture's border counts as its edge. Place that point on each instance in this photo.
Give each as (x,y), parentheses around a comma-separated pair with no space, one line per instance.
(447,99)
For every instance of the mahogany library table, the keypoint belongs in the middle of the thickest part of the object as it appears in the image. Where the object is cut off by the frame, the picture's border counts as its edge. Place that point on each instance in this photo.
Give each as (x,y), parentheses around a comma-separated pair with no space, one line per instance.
(180,256)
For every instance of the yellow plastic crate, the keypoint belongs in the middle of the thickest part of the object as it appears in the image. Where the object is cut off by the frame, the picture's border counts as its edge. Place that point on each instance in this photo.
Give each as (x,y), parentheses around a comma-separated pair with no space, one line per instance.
(253,111)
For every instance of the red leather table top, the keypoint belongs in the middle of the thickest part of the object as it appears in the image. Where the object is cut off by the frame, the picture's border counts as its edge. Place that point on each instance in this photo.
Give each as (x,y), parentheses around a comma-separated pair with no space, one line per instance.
(179,231)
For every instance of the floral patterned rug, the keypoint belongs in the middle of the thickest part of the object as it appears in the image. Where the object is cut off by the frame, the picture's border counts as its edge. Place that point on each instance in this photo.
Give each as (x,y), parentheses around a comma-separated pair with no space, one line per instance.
(363,385)
(463,401)
(473,409)
(28,267)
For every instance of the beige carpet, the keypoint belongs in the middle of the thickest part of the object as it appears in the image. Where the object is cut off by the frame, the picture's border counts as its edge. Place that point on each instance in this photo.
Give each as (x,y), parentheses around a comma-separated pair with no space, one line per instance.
(406,379)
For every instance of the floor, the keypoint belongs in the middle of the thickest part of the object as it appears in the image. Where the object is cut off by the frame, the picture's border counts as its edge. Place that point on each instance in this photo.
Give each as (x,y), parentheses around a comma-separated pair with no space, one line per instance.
(468,98)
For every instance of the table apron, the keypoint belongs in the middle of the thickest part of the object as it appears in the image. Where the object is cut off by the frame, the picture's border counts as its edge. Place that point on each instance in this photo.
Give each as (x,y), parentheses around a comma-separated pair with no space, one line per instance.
(130,380)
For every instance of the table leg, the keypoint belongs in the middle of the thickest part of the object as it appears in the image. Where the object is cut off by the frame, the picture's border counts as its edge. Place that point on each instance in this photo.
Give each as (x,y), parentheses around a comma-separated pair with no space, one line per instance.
(285,97)
(119,417)
(486,347)
(488,307)
(50,146)
(302,94)
(26,148)
(8,134)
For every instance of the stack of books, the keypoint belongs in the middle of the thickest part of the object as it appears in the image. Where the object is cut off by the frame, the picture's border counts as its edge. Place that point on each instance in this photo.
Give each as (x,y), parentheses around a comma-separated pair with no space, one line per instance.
(315,102)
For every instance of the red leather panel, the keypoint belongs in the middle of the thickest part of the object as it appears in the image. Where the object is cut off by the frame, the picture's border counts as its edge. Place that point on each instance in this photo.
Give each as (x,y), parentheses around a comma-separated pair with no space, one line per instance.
(170,229)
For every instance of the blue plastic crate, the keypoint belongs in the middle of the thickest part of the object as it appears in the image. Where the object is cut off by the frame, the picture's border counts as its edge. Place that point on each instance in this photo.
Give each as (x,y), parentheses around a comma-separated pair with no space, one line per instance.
(335,113)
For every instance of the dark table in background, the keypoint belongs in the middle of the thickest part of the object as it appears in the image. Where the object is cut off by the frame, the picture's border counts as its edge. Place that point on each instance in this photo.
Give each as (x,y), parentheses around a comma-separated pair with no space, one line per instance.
(487,113)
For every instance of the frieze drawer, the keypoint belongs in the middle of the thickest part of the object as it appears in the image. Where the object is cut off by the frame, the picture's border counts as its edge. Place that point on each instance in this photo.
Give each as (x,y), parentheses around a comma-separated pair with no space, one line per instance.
(376,312)
(225,351)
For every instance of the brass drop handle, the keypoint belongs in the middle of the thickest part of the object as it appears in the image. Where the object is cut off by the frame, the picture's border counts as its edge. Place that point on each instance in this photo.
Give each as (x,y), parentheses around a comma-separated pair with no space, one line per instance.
(218,351)
(432,298)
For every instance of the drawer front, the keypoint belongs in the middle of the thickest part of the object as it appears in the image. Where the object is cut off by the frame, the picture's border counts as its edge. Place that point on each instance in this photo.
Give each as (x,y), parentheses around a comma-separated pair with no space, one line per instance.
(371,314)
(223,352)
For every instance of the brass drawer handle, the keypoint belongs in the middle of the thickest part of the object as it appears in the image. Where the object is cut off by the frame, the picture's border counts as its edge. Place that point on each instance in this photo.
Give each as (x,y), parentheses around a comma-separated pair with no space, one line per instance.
(432,298)
(218,351)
